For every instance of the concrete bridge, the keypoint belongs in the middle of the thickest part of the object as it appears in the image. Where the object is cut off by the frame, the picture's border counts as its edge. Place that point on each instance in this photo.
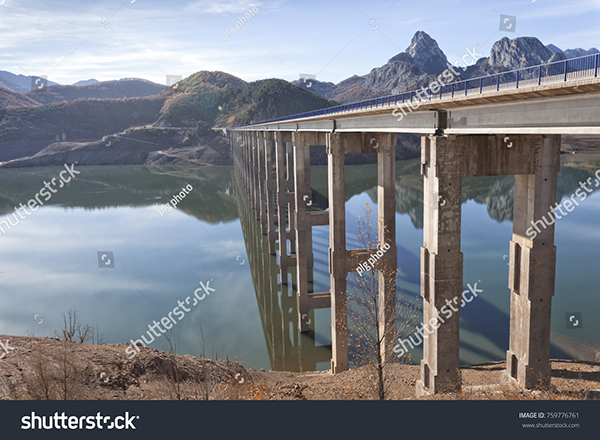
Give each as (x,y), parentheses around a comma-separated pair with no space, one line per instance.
(505,124)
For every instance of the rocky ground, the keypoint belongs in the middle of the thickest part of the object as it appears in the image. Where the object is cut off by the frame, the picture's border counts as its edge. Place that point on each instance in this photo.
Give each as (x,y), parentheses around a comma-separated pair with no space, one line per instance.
(41,368)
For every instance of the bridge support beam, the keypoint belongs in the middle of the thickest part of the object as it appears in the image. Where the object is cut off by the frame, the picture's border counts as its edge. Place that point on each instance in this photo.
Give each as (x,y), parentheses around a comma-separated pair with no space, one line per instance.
(270,186)
(532,268)
(386,233)
(338,269)
(262,176)
(441,265)
(303,195)
(255,175)
(285,204)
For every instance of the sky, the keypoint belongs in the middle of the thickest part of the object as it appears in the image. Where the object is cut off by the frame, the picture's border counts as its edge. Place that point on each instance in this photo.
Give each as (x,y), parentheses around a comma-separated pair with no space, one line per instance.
(74,40)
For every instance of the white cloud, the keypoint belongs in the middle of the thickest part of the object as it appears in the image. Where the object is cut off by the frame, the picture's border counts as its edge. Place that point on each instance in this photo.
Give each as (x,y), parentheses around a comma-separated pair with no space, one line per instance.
(227,7)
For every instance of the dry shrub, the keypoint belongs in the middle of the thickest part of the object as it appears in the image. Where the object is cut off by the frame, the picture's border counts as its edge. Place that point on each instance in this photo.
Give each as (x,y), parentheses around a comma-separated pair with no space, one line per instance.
(54,375)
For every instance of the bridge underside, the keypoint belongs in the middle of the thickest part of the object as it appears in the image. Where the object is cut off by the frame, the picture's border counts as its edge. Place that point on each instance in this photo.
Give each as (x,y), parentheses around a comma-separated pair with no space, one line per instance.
(275,170)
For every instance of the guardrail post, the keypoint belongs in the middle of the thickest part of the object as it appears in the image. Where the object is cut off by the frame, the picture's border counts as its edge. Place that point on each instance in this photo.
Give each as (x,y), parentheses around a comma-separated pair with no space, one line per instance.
(480,85)
(517,80)
(466,82)
(596,71)
(539,75)
(452,88)
(566,70)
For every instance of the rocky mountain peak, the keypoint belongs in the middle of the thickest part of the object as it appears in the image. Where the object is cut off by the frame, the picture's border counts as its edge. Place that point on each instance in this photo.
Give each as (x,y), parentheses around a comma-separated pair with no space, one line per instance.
(521,52)
(426,53)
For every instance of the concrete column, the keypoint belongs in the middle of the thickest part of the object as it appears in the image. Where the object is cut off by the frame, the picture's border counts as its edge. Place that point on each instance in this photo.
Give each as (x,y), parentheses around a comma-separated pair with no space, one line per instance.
(270,187)
(532,267)
(244,150)
(337,253)
(291,199)
(257,180)
(253,172)
(302,194)
(386,211)
(441,265)
(261,181)
(282,203)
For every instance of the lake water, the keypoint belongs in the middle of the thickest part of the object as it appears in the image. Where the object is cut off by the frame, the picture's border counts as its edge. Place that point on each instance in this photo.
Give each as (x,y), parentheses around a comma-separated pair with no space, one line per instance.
(62,256)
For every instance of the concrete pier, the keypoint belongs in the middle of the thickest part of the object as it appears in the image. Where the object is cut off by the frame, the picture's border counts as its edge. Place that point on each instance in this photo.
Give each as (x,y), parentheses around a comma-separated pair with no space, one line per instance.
(445,160)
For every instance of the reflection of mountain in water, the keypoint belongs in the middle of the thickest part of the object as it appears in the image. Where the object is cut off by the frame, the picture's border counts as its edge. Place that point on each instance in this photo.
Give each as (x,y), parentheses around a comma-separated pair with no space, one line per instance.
(496,192)
(101,187)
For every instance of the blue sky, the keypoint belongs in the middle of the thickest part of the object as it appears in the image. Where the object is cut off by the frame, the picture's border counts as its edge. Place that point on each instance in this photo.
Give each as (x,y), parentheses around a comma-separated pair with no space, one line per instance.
(73,40)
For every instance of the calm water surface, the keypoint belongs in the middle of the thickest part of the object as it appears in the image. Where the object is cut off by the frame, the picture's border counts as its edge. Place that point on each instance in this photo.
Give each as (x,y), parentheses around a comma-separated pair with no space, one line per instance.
(50,260)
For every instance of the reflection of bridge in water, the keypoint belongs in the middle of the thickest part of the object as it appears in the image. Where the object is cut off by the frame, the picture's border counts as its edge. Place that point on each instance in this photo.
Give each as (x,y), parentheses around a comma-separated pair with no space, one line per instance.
(288,349)
(504,124)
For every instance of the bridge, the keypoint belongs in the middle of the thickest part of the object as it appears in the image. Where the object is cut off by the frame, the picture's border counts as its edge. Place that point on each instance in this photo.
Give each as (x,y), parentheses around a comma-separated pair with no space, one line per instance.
(509,123)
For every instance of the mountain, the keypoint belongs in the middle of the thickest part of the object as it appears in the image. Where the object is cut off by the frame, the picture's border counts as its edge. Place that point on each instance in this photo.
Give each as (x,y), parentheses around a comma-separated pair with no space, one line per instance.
(507,54)
(417,66)
(426,54)
(579,52)
(423,61)
(553,48)
(86,82)
(8,98)
(17,83)
(573,53)
(120,89)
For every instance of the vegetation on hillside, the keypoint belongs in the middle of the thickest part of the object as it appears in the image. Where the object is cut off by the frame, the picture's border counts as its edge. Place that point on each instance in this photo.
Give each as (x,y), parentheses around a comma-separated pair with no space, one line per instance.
(124,88)
(81,119)
(266,99)
(9,98)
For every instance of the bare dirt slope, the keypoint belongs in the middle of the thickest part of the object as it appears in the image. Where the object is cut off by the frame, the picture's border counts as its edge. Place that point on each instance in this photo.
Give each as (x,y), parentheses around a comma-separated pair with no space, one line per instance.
(104,372)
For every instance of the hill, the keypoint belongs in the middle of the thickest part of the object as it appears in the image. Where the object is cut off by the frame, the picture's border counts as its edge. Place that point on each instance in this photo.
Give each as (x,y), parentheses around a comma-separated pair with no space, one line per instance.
(81,119)
(120,89)
(266,99)
(172,127)
(8,98)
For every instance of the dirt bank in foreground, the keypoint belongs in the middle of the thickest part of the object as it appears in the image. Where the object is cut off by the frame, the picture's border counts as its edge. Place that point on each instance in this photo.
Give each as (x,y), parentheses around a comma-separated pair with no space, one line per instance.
(37,368)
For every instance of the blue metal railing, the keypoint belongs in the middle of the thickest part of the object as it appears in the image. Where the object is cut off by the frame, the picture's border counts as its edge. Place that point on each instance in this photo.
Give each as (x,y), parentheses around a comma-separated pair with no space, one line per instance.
(575,68)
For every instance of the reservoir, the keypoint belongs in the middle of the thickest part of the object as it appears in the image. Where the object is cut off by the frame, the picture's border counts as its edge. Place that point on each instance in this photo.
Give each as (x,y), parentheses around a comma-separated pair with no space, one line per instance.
(105,246)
